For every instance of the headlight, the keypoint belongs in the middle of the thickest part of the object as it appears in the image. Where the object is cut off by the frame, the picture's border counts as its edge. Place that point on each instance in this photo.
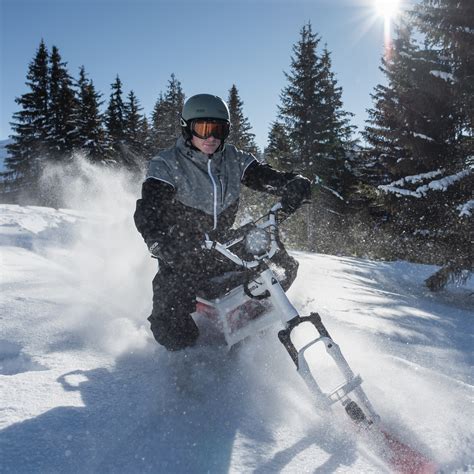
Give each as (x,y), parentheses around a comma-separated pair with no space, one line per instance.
(257,241)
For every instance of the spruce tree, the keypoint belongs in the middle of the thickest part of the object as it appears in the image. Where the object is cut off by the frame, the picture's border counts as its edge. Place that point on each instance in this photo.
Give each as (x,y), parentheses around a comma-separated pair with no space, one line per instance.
(411,128)
(419,119)
(300,106)
(413,136)
(132,121)
(278,151)
(136,129)
(145,138)
(63,108)
(174,99)
(252,202)
(448,27)
(90,130)
(115,121)
(158,118)
(335,131)
(165,120)
(240,132)
(318,133)
(26,154)
(311,110)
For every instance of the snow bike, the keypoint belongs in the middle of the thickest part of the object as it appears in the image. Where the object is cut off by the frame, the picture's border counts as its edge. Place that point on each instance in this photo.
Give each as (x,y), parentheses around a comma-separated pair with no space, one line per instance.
(252,300)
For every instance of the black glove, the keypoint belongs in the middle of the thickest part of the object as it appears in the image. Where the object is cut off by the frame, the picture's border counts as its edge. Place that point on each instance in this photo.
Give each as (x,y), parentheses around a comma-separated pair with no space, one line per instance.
(296,191)
(176,253)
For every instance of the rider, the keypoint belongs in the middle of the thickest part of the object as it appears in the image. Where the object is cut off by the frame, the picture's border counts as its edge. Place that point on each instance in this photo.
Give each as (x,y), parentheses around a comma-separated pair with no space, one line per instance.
(192,190)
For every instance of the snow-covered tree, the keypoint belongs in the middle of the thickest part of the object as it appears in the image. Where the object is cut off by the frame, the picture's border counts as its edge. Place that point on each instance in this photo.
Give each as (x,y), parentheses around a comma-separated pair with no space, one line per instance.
(449,27)
(412,128)
(240,132)
(413,133)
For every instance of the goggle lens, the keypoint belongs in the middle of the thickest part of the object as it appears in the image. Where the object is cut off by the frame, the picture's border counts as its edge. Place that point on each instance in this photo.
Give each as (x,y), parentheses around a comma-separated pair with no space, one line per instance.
(204,129)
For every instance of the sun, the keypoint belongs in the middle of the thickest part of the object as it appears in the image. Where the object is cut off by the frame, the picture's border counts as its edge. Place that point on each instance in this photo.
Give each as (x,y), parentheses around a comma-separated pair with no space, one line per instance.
(387,8)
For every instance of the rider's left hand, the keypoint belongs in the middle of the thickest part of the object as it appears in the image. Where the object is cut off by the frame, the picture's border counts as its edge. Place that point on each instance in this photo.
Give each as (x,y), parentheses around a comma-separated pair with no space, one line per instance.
(296,191)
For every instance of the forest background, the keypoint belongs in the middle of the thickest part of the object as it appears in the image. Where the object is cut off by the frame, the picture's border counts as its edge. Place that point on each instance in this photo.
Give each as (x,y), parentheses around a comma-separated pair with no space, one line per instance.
(401,188)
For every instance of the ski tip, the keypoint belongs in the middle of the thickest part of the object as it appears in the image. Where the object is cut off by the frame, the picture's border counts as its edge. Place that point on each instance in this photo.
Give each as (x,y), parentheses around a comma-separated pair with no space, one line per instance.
(406,460)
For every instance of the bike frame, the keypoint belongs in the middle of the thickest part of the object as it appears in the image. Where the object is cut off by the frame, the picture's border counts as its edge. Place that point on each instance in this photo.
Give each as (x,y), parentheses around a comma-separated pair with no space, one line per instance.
(243,312)
(248,309)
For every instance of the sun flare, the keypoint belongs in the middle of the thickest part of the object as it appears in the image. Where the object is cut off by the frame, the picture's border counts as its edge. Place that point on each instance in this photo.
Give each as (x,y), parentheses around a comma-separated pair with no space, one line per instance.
(387,8)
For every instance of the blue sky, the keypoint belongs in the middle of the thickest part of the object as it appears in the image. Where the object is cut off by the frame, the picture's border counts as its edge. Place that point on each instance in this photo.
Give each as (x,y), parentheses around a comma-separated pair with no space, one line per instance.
(208,44)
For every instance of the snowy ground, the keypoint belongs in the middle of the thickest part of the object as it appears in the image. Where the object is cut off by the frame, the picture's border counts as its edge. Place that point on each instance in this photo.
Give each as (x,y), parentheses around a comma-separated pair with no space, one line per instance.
(84,388)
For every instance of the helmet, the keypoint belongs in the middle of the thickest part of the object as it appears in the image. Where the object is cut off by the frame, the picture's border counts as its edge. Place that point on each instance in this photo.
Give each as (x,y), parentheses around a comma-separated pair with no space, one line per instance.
(205,106)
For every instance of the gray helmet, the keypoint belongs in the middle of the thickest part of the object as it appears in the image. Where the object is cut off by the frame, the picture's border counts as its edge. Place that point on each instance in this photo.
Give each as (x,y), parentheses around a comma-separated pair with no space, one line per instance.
(205,106)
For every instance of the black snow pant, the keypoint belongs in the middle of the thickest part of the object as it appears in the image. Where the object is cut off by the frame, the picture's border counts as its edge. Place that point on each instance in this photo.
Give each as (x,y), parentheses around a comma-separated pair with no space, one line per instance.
(174,299)
(174,296)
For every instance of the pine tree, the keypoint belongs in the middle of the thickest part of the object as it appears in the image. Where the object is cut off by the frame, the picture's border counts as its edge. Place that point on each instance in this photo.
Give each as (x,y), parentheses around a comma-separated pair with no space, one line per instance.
(335,131)
(132,121)
(90,130)
(26,153)
(241,137)
(115,121)
(448,27)
(63,107)
(317,127)
(165,120)
(158,118)
(431,109)
(412,127)
(136,129)
(145,138)
(300,106)
(413,136)
(278,151)
(240,132)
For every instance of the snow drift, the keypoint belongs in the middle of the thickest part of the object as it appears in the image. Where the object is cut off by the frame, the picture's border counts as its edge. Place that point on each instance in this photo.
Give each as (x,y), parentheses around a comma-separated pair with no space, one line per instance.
(86,389)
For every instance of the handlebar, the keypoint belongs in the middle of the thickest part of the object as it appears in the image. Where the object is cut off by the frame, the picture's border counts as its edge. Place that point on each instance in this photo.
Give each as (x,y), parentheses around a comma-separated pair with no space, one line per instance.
(270,226)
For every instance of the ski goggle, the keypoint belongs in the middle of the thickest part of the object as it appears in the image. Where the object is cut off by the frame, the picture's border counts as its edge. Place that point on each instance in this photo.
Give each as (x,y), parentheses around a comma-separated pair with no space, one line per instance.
(205,128)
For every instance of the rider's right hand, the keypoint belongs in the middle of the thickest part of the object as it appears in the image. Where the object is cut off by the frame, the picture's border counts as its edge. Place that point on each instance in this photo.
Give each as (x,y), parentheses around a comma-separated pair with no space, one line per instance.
(176,252)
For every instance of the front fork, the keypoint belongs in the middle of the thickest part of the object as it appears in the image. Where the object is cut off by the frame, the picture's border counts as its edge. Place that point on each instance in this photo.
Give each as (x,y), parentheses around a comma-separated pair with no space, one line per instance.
(352,385)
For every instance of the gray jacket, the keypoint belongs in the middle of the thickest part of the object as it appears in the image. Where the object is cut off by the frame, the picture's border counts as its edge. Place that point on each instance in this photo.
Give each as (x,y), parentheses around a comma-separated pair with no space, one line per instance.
(208,183)
(188,194)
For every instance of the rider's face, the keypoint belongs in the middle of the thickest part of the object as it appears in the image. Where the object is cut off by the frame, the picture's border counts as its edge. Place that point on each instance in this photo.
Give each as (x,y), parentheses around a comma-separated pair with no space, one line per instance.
(207,145)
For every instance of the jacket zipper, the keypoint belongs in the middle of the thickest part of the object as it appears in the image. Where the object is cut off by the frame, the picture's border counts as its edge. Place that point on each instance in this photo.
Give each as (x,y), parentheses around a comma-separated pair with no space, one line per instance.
(222,192)
(215,192)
